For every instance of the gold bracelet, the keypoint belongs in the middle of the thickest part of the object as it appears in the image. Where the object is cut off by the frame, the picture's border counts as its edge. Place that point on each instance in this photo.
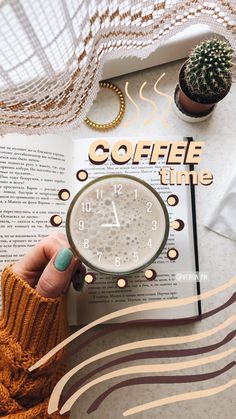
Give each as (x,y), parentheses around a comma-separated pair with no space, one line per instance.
(117,120)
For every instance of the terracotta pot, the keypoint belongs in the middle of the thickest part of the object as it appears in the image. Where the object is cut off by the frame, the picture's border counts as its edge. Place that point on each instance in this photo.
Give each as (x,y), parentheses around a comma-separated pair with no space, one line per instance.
(189,104)
(184,115)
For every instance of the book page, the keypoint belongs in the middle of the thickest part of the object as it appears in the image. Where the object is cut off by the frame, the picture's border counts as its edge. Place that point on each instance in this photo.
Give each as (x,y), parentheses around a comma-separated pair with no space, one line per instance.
(33,170)
(104,296)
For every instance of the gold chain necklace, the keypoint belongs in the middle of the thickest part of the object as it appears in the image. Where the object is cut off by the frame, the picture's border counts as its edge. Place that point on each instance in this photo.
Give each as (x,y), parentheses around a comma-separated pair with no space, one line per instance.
(117,120)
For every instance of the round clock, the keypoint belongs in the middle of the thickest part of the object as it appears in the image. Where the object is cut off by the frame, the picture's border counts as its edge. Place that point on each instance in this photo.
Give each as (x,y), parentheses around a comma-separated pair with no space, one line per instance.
(117,224)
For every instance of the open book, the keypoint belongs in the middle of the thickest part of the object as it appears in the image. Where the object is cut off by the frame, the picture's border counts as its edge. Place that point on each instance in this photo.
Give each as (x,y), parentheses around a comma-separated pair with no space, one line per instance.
(34,169)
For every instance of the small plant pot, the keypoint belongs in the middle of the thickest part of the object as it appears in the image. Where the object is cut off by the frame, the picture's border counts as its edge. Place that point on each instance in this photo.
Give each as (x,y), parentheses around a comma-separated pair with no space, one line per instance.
(195,105)
(188,117)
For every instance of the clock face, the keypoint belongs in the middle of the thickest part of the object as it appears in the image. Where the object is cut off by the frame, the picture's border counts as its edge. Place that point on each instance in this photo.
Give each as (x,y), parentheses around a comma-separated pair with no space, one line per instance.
(117,224)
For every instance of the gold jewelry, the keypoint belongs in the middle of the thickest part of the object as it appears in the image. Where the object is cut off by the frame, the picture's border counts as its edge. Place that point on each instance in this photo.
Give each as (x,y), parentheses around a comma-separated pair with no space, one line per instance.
(117,120)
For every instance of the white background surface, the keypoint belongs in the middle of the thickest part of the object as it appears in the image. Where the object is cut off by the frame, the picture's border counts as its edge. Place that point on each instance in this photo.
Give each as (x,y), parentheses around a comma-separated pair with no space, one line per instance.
(216,254)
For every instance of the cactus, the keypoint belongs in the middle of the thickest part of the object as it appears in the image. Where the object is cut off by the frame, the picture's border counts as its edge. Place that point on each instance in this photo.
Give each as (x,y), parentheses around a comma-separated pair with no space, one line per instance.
(208,69)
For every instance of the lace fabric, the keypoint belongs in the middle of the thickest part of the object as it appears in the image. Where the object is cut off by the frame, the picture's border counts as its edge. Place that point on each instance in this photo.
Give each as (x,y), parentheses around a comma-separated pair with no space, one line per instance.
(53,51)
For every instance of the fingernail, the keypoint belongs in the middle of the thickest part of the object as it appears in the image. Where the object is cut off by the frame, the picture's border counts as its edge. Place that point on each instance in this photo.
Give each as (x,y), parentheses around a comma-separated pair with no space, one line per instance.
(63,259)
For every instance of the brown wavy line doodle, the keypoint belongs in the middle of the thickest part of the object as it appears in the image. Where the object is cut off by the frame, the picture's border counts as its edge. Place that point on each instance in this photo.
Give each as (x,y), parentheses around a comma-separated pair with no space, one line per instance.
(166,111)
(130,310)
(152,103)
(140,369)
(172,353)
(150,323)
(193,395)
(160,379)
(56,393)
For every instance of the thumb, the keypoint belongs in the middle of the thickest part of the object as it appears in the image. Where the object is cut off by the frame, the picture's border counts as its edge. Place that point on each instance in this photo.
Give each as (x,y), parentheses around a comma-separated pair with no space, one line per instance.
(57,274)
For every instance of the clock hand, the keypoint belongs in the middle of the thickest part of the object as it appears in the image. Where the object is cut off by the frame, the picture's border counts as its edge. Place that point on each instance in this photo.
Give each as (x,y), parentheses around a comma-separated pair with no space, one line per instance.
(109,225)
(114,208)
(116,217)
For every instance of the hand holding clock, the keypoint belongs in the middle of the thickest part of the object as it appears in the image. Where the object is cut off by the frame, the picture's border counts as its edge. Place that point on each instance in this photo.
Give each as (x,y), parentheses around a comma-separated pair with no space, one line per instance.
(49,266)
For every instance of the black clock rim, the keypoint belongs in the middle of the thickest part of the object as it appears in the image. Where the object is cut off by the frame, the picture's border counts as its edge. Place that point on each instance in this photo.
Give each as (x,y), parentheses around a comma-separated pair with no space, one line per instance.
(84,260)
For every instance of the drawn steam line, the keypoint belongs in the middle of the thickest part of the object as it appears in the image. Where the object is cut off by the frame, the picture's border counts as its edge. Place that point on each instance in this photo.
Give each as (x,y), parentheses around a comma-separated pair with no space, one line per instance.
(56,393)
(137,113)
(170,100)
(139,369)
(163,117)
(155,305)
(180,397)
(152,103)
(151,322)
(174,353)
(161,379)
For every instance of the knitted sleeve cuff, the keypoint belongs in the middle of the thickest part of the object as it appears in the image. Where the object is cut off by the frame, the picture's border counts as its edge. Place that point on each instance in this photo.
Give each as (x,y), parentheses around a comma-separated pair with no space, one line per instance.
(35,322)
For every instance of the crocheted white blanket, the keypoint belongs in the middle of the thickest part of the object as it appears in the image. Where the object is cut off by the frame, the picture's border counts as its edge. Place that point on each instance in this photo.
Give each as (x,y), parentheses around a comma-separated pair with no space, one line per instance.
(52,51)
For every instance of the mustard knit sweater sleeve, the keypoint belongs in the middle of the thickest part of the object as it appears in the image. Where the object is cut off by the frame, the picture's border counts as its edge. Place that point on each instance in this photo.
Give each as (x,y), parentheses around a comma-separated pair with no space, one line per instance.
(30,325)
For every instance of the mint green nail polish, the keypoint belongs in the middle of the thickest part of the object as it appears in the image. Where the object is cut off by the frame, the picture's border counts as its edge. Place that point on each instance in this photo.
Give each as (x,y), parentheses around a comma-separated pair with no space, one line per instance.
(63,259)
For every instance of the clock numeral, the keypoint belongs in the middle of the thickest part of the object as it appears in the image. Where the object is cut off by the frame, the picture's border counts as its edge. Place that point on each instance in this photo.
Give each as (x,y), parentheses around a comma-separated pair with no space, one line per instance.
(99,193)
(135,194)
(86,206)
(81,225)
(154,224)
(86,243)
(149,206)
(149,243)
(99,254)
(118,189)
(117,261)
(135,256)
